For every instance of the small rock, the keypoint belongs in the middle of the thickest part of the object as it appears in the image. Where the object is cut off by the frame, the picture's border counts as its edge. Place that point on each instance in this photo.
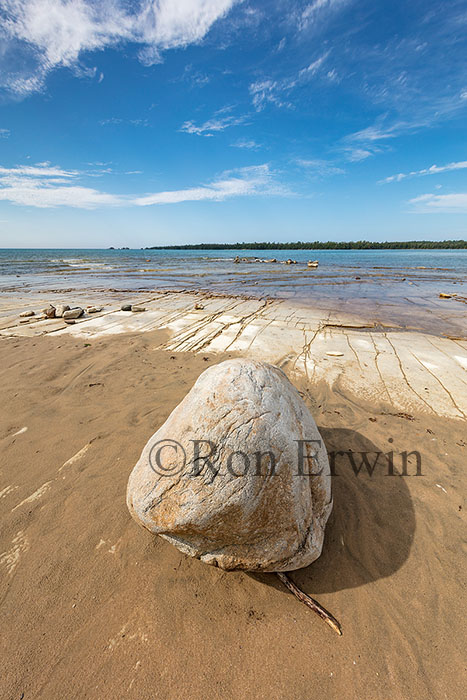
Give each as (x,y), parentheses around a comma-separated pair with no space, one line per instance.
(69,321)
(94,309)
(445,296)
(199,306)
(138,308)
(49,311)
(73,313)
(125,307)
(312,263)
(26,314)
(24,320)
(60,310)
(335,353)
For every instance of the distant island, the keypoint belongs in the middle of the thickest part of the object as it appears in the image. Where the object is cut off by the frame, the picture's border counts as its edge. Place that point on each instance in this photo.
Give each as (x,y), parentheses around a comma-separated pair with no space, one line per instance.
(320,245)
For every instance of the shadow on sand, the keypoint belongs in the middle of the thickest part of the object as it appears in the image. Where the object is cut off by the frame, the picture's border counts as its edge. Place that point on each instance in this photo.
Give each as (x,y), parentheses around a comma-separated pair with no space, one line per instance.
(370,530)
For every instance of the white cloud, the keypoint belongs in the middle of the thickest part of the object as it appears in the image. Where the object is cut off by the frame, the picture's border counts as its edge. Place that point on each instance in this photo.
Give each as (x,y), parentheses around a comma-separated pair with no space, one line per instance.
(440,203)
(38,170)
(249,144)
(117,121)
(44,187)
(316,8)
(253,180)
(432,170)
(319,167)
(4,133)
(363,144)
(52,33)
(354,155)
(271,91)
(220,121)
(374,133)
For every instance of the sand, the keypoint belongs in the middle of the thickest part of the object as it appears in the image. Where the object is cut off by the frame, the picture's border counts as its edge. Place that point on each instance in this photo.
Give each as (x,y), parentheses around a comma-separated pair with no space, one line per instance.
(94,607)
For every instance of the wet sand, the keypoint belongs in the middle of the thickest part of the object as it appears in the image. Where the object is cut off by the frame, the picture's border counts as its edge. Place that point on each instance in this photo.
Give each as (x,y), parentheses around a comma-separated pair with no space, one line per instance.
(93,606)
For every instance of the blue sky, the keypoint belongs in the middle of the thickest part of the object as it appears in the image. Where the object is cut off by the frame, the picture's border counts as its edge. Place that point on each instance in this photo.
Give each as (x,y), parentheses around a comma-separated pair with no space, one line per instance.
(178,121)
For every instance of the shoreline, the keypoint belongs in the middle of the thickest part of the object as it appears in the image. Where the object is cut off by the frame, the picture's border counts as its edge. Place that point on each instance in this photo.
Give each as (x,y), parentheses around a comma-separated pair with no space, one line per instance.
(403,368)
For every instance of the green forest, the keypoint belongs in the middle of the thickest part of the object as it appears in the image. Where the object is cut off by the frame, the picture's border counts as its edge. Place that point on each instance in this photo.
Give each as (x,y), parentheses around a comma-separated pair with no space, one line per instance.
(321,245)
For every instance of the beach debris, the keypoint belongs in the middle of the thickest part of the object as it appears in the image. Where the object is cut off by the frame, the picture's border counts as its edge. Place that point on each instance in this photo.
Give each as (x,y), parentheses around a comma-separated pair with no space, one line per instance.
(445,296)
(93,309)
(71,314)
(312,603)
(334,353)
(49,311)
(125,307)
(26,314)
(238,475)
(136,308)
(199,307)
(60,310)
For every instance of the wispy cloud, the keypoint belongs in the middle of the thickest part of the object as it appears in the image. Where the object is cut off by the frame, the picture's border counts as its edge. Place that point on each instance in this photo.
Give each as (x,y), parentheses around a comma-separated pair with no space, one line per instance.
(440,203)
(53,33)
(118,121)
(316,9)
(319,168)
(221,120)
(249,144)
(44,186)
(432,170)
(253,180)
(4,133)
(369,141)
(277,92)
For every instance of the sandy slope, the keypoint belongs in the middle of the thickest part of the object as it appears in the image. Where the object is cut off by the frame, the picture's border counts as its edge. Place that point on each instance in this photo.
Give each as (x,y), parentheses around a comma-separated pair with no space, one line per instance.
(94,607)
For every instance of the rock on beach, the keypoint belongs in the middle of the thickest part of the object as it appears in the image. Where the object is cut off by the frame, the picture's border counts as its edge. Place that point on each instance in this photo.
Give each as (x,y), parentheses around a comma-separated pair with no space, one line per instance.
(233,511)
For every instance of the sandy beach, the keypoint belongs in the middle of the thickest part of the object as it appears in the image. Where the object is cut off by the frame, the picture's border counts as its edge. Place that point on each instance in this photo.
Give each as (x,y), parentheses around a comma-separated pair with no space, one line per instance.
(92,606)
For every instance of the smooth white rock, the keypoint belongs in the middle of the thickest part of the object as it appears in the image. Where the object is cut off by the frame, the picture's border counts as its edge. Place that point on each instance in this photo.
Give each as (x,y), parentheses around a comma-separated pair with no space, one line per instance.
(265,522)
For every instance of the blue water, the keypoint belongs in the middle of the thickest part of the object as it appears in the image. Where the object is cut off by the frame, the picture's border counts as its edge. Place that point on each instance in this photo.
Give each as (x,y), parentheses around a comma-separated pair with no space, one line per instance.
(391,281)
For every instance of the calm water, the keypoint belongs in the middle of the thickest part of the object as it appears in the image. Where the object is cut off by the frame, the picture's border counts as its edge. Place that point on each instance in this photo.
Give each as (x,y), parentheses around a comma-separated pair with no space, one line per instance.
(391,282)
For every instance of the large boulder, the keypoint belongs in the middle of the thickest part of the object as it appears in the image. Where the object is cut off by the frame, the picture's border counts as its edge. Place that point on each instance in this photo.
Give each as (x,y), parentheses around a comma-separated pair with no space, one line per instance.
(232,510)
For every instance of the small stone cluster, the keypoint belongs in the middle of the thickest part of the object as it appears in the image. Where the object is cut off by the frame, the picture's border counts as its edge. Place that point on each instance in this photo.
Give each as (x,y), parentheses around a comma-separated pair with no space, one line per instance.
(132,307)
(69,314)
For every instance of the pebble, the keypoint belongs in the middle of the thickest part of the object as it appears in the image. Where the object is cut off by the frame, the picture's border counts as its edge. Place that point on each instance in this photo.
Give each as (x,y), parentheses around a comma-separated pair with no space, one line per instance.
(445,296)
(69,321)
(26,314)
(125,307)
(60,310)
(49,311)
(94,309)
(138,308)
(199,306)
(73,313)
(335,353)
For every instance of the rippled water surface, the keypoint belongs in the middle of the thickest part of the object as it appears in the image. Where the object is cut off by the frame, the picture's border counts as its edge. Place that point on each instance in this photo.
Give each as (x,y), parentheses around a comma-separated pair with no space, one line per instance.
(390,284)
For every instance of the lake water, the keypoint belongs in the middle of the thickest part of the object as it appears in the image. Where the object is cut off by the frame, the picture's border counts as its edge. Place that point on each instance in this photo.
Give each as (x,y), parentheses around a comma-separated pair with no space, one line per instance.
(394,286)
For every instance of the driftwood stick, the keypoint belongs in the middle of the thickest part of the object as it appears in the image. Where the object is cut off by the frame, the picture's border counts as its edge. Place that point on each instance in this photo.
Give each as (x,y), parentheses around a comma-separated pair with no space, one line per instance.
(311,602)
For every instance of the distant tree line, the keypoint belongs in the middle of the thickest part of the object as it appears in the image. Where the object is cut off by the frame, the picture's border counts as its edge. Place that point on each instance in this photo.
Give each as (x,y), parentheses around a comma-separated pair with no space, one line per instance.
(320,245)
